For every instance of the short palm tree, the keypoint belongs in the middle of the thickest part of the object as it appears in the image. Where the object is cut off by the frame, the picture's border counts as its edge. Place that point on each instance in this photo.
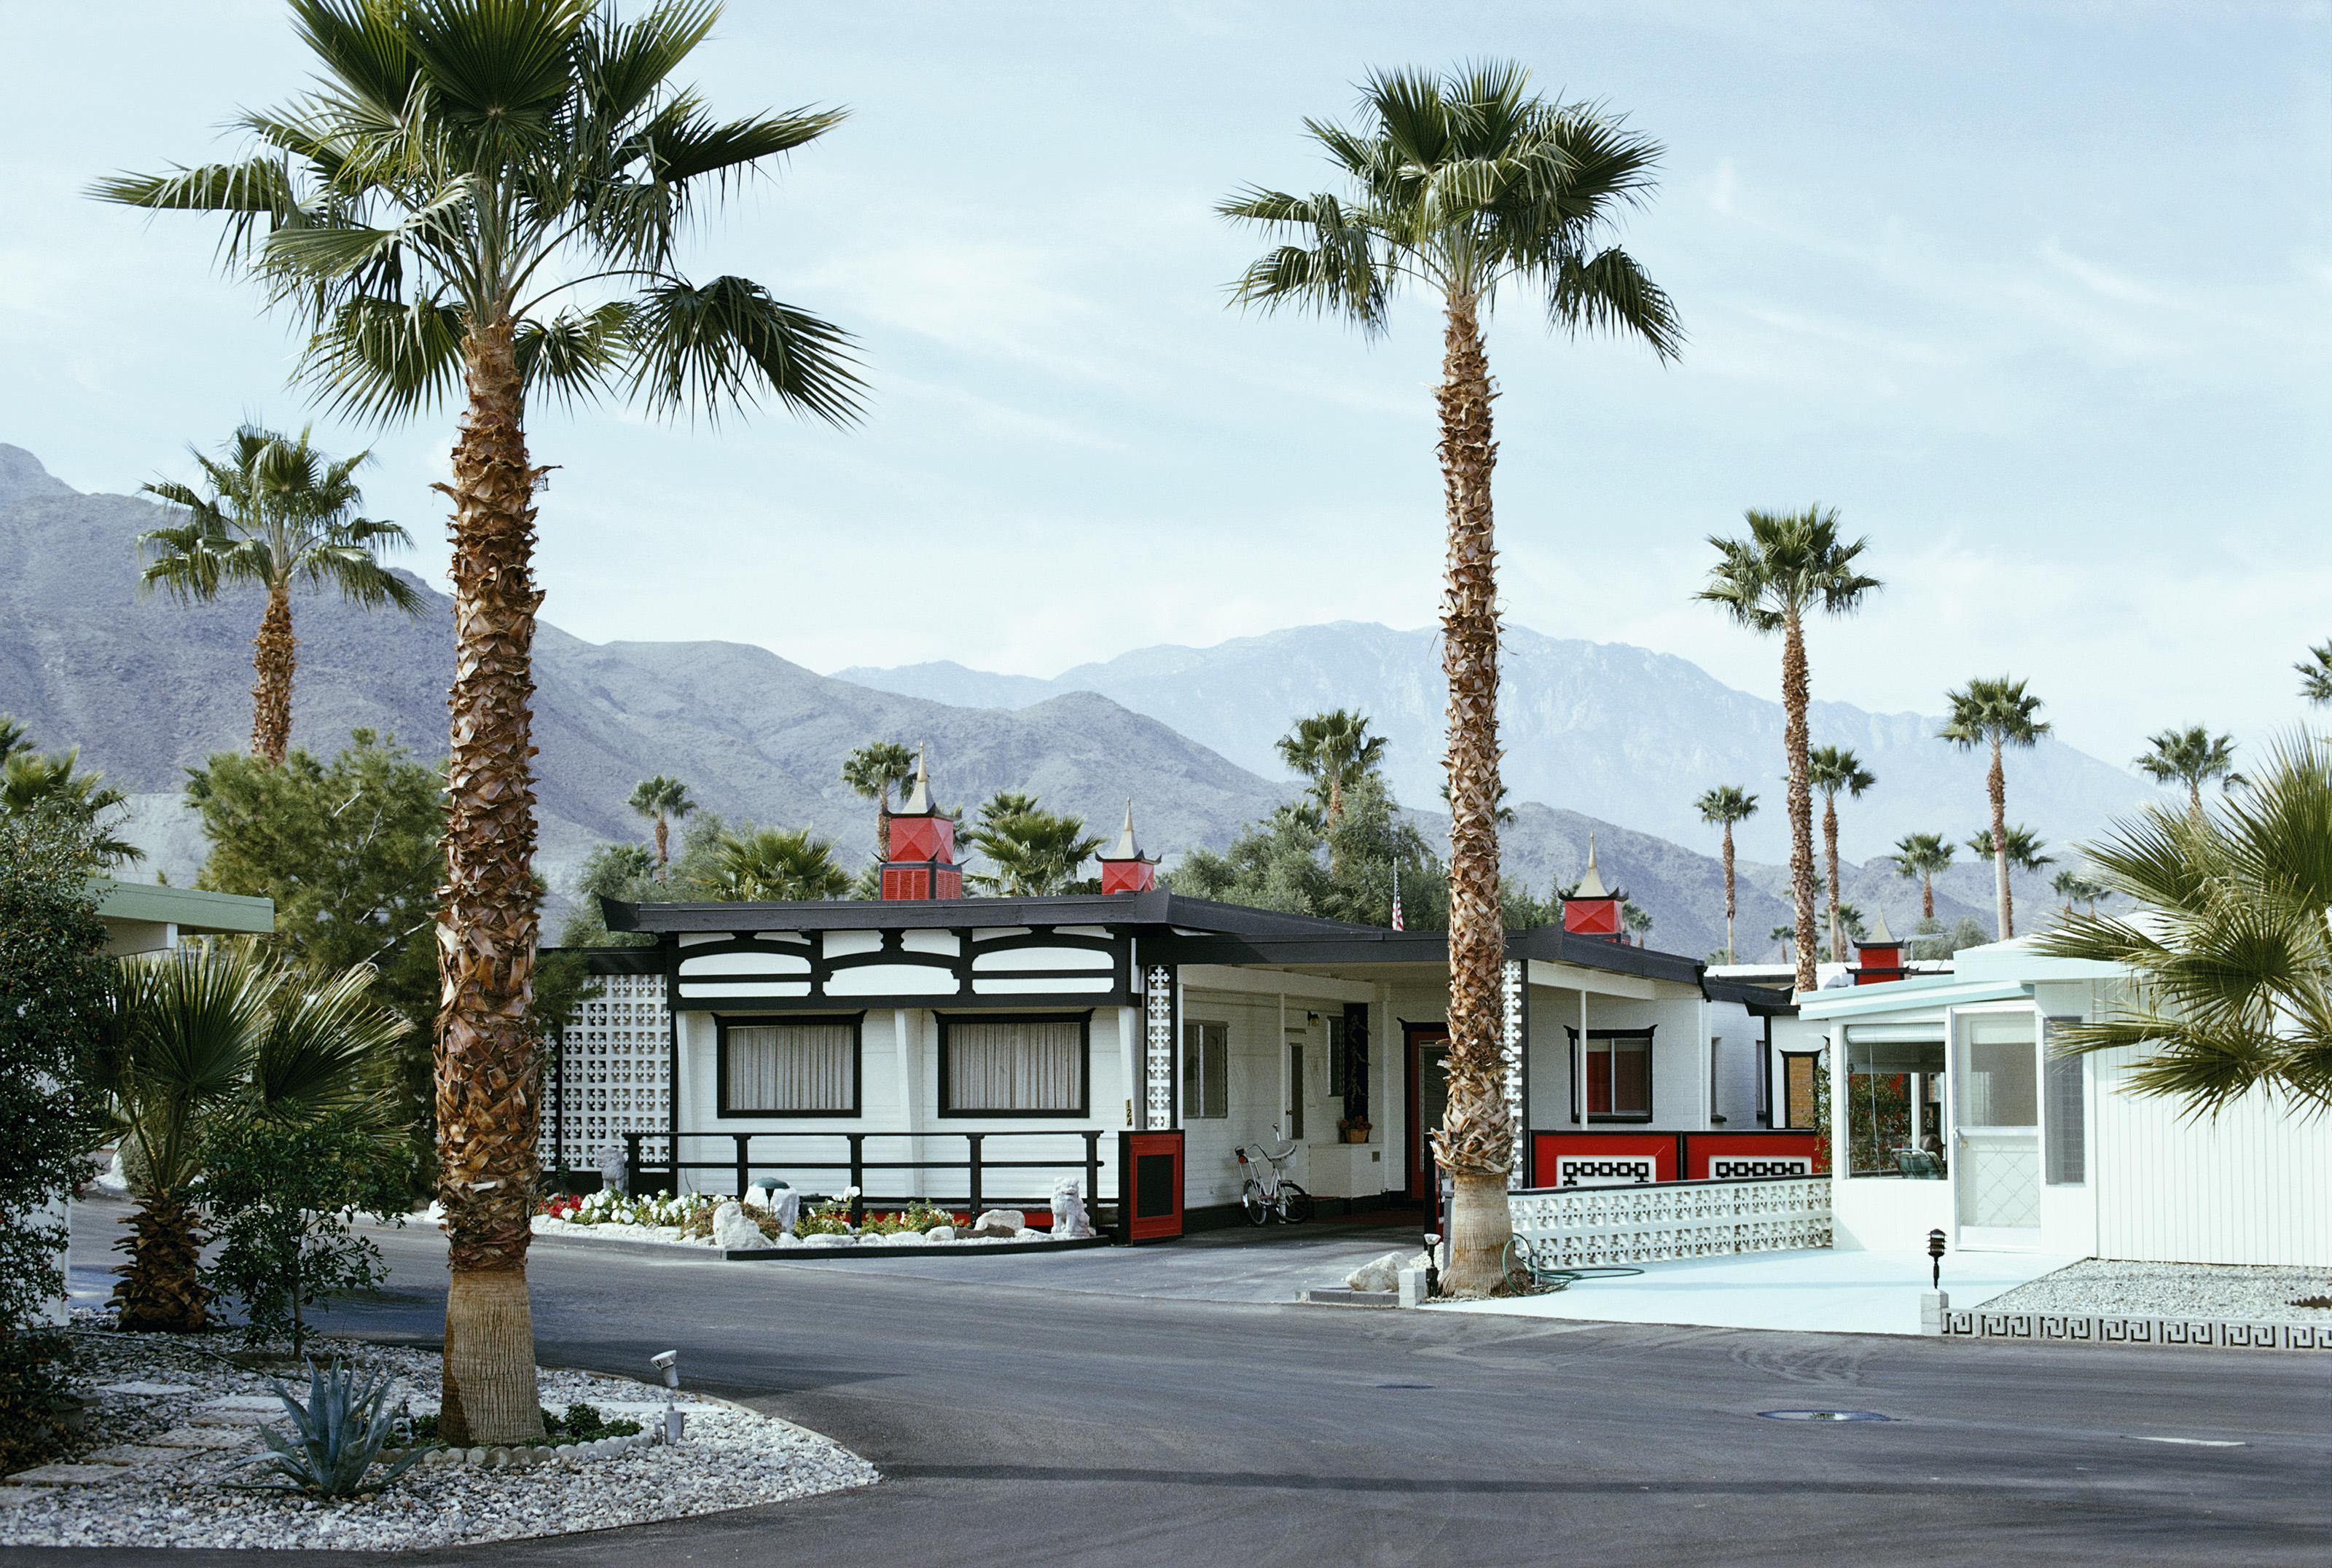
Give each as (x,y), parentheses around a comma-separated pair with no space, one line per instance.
(1332,750)
(222,1030)
(771,865)
(2315,674)
(874,771)
(1997,713)
(2192,757)
(1791,565)
(272,512)
(662,800)
(483,200)
(1834,770)
(1725,806)
(31,781)
(2229,944)
(1921,857)
(1036,853)
(1462,185)
(2075,887)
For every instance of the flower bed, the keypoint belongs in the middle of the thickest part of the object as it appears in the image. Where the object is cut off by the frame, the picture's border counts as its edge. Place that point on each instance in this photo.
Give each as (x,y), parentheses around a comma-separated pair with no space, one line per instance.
(158,1463)
(690,1220)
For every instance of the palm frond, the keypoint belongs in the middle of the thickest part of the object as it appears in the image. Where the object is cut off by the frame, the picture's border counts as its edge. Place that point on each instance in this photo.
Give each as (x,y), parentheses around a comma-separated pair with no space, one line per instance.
(1612,292)
(385,359)
(708,348)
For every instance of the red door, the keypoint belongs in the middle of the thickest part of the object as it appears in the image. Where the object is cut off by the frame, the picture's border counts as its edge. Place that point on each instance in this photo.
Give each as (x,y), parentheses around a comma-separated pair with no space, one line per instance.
(1428,1097)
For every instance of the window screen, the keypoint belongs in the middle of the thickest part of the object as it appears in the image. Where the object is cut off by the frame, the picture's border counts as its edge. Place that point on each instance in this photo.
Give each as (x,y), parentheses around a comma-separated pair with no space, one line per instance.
(2062,1087)
(1206,1071)
(1029,1065)
(1798,1070)
(2000,1086)
(790,1069)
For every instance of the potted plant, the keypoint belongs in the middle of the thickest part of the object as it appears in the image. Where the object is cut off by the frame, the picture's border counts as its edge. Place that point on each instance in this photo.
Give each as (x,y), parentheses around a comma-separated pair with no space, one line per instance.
(1354,1129)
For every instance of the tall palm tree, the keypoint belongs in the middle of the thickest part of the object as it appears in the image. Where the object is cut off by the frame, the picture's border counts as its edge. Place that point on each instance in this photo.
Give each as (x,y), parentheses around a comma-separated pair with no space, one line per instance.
(1792,564)
(1725,806)
(771,865)
(1036,853)
(2315,674)
(2230,947)
(2192,756)
(1461,184)
(273,511)
(874,771)
(202,1034)
(1332,750)
(31,781)
(1921,857)
(662,800)
(487,197)
(1833,770)
(1996,712)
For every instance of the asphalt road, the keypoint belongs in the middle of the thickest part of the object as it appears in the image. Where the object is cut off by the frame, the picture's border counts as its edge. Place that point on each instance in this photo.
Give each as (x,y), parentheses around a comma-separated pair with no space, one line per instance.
(1059,1422)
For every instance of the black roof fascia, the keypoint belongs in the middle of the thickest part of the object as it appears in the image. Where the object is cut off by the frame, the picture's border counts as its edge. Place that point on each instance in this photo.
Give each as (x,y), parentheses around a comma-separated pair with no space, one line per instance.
(1761,1000)
(1153,909)
(1373,944)
(616,960)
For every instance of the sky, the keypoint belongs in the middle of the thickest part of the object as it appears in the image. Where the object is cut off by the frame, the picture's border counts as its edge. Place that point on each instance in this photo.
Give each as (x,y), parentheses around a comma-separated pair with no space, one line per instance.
(2038,296)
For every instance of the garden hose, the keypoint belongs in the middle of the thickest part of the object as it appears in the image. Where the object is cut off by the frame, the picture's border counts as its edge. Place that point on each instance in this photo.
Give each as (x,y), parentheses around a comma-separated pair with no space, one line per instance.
(1560,1279)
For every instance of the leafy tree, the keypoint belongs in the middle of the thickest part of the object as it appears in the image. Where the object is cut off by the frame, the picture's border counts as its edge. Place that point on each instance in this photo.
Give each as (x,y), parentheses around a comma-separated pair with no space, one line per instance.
(2315,674)
(277,1199)
(770,866)
(1920,857)
(1791,564)
(1332,750)
(1996,713)
(351,852)
(207,1036)
(1834,770)
(624,872)
(1036,853)
(2229,949)
(52,1008)
(662,800)
(31,782)
(874,771)
(272,512)
(488,197)
(2192,757)
(1284,863)
(1462,185)
(1725,806)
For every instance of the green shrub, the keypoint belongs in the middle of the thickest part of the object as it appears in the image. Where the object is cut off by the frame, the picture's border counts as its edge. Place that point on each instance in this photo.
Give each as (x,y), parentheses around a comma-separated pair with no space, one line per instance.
(917,1216)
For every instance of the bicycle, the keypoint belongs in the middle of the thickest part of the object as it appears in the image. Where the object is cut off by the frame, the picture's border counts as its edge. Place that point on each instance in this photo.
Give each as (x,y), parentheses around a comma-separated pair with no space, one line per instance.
(1271,1191)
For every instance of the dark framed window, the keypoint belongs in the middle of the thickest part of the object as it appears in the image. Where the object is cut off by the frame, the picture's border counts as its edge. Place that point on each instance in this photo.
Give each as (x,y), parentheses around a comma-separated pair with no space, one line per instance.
(1618,1076)
(789,1065)
(1016,1065)
(1206,1071)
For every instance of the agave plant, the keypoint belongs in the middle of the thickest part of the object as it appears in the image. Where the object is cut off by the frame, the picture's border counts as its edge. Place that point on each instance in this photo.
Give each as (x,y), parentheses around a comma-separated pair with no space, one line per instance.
(335,1438)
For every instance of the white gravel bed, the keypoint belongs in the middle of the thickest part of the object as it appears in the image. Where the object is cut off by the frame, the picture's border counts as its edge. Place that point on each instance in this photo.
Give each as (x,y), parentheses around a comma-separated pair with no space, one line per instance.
(2100,1287)
(731,1457)
(672,1235)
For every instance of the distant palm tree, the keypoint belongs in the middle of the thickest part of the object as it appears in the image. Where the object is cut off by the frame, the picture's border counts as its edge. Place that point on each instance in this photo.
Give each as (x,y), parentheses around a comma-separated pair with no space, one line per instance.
(2077,886)
(488,199)
(1785,935)
(1851,922)
(1792,563)
(770,866)
(1332,750)
(30,781)
(1998,714)
(273,511)
(2022,850)
(662,800)
(1832,769)
(2192,756)
(874,771)
(1036,853)
(2316,673)
(1462,185)
(1725,806)
(1921,857)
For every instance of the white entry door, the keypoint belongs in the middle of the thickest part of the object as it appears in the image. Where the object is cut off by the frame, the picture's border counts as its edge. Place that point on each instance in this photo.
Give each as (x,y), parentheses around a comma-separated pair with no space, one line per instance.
(1996,1132)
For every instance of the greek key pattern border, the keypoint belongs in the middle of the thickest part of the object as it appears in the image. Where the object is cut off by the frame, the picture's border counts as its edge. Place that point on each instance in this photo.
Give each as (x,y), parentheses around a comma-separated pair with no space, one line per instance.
(2174,1332)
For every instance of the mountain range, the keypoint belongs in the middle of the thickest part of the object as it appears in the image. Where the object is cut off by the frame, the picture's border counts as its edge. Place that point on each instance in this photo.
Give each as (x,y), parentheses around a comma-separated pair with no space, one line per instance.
(147,688)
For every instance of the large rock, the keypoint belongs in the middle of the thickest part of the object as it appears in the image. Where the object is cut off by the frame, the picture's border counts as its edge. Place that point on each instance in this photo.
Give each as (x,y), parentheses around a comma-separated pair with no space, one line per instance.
(1379,1273)
(941,1233)
(788,1209)
(997,1222)
(1069,1220)
(756,1197)
(731,1231)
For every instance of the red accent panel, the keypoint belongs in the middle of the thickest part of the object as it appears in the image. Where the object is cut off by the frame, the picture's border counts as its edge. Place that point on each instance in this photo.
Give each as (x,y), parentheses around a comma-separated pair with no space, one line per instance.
(1128,875)
(922,839)
(1548,1148)
(1592,916)
(1149,1185)
(922,879)
(1699,1147)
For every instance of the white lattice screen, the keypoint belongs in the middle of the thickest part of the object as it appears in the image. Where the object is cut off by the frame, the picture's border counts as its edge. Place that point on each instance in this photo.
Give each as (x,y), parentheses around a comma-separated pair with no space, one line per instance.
(1514,1041)
(615,1069)
(1158,1048)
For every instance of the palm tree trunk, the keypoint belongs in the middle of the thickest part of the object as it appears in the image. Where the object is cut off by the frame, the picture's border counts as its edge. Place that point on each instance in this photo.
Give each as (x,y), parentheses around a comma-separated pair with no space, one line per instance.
(272,659)
(160,1290)
(663,844)
(1796,689)
(1997,783)
(1927,895)
(883,822)
(1829,850)
(1729,957)
(487,1070)
(1474,1142)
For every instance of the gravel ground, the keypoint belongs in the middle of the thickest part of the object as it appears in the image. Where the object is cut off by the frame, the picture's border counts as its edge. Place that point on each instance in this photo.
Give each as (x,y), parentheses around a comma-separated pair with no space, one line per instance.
(2103,1289)
(731,1457)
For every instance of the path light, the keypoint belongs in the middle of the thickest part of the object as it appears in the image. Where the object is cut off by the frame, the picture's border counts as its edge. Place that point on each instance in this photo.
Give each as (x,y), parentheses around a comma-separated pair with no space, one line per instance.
(1935,1252)
(1432,1270)
(674,1420)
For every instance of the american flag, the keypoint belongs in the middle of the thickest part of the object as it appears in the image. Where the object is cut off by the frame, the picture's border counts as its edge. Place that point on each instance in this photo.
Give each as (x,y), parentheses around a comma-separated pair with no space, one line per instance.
(1396,896)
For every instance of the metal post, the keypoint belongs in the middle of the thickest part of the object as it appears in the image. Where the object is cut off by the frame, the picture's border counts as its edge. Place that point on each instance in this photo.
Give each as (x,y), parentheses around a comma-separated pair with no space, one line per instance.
(974,1138)
(740,1138)
(858,1178)
(632,1162)
(1093,1170)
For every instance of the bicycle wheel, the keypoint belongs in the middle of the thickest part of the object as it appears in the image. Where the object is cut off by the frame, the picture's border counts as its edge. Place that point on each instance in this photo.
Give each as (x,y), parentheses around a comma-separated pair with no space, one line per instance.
(1251,1199)
(1295,1204)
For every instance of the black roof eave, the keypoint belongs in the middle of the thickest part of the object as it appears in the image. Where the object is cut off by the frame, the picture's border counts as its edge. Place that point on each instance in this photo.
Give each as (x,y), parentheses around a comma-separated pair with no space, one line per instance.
(1153,909)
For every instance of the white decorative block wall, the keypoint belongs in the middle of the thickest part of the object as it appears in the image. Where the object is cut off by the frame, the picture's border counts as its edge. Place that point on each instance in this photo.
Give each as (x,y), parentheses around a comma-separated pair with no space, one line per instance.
(1511,1045)
(616,1064)
(1158,1048)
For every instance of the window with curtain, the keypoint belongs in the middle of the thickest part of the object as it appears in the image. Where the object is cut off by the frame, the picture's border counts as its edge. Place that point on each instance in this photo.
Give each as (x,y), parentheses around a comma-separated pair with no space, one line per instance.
(1014,1067)
(1618,1076)
(1206,1071)
(798,1067)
